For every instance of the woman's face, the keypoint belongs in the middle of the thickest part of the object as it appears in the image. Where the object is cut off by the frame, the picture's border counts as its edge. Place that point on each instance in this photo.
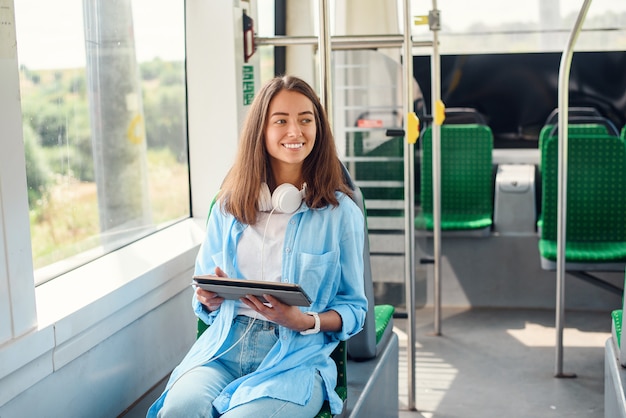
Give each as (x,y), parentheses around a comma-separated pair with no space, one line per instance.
(290,130)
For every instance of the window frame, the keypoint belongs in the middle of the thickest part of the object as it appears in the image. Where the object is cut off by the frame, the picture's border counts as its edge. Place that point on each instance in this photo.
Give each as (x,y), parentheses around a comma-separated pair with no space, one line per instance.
(39,335)
(17,293)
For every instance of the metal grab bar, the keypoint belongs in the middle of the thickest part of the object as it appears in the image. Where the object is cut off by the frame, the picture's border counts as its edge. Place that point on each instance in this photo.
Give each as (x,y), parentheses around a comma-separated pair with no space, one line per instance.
(564,71)
(409,202)
(345,42)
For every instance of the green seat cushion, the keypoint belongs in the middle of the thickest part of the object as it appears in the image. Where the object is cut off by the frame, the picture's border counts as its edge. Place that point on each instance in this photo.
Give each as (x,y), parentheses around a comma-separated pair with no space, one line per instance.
(455,221)
(616,316)
(585,251)
(383,314)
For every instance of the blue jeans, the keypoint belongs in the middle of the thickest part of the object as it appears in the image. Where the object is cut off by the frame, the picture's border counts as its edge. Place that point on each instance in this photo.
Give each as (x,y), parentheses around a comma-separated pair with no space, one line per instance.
(193,394)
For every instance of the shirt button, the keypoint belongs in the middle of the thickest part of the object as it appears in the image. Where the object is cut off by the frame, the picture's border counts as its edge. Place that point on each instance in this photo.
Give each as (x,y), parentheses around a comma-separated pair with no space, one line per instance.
(287,250)
(292,222)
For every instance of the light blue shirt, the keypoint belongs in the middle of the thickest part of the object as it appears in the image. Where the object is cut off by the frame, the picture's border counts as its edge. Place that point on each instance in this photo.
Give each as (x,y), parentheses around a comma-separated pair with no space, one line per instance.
(323,252)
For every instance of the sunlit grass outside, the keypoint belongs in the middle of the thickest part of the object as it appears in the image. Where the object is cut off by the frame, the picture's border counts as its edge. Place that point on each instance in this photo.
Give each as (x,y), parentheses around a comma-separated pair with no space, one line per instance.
(65,221)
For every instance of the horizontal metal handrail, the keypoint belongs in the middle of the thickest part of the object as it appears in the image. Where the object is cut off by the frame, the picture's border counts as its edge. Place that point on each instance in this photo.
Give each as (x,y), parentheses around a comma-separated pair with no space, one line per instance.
(343,42)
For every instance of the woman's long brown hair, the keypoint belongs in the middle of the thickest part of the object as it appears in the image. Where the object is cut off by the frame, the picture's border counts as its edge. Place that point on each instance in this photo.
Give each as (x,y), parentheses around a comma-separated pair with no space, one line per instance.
(321,170)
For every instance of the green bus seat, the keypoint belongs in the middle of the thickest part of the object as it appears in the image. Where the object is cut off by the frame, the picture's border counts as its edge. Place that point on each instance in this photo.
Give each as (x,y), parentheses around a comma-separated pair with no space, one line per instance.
(466,178)
(596,188)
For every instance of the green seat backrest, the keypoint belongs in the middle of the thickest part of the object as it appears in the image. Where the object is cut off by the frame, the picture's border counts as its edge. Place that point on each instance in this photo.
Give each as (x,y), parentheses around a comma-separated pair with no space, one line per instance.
(466,178)
(574,128)
(596,202)
(577,129)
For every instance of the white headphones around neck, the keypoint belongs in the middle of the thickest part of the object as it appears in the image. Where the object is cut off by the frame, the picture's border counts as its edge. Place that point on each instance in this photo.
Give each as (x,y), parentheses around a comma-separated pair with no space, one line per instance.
(285,199)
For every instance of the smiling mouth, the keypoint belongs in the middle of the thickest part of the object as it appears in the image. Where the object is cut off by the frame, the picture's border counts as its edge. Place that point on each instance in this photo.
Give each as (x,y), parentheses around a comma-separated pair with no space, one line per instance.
(293,146)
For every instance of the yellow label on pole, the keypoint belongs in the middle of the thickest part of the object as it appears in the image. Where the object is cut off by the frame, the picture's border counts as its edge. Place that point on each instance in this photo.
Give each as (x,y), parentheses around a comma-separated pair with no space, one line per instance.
(413,128)
(420,20)
(440,112)
(136,129)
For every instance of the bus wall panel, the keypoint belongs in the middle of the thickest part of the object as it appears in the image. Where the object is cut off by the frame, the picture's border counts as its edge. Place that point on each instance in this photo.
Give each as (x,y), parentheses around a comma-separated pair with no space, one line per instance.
(107,379)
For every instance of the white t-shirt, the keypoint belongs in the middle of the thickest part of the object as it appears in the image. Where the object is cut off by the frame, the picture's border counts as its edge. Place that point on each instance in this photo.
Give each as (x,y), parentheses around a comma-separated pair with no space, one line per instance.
(260,252)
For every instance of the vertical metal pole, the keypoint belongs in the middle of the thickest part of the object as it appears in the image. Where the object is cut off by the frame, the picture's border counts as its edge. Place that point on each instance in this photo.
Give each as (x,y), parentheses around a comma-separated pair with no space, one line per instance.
(409,202)
(117,120)
(324,50)
(564,71)
(436,129)
(280,28)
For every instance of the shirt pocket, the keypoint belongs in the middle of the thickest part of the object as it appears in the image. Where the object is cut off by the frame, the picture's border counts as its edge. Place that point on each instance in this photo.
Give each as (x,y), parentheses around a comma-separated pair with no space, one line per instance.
(318,275)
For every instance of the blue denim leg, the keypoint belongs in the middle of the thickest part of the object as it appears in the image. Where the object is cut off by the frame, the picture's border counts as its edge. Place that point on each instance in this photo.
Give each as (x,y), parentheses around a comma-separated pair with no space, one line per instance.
(276,408)
(192,394)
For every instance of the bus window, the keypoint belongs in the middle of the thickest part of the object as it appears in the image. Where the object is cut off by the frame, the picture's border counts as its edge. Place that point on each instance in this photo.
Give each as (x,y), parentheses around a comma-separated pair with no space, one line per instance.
(104,120)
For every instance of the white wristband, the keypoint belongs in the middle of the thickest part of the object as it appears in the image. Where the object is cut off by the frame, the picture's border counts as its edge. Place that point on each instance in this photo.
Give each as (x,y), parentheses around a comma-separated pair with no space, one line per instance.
(316,327)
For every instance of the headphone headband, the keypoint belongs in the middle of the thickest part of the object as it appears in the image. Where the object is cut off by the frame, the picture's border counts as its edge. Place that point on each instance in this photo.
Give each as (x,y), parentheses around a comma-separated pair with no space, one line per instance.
(285,199)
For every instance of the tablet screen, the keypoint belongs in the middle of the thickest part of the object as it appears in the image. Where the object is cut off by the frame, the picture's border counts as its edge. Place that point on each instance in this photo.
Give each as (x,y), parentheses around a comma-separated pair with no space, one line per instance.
(229,288)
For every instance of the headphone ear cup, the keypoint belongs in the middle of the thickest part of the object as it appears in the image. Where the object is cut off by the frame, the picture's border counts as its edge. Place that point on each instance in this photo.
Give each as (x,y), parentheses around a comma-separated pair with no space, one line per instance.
(286,198)
(265,198)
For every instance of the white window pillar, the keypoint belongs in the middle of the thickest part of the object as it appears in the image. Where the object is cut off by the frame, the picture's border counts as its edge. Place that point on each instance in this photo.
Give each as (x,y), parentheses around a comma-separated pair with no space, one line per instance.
(214,72)
(17,288)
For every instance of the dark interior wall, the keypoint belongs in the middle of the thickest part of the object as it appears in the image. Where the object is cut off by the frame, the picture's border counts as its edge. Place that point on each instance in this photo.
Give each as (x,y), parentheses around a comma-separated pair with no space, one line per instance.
(517,92)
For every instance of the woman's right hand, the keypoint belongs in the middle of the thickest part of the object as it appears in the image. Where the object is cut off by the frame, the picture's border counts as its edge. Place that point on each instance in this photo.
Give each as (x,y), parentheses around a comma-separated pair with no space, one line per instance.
(210,299)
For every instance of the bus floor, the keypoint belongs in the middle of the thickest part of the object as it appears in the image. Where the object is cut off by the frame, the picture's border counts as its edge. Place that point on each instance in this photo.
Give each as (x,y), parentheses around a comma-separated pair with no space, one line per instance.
(495,363)
(502,362)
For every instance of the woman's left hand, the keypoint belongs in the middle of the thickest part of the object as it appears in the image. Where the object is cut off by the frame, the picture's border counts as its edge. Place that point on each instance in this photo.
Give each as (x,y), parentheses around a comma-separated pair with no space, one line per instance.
(282,314)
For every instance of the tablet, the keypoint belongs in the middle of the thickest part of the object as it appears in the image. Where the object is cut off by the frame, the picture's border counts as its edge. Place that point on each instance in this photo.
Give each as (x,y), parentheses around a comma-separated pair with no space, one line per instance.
(229,288)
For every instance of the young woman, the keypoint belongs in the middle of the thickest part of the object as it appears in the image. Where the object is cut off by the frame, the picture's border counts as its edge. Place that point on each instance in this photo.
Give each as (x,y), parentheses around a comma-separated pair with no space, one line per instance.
(283,214)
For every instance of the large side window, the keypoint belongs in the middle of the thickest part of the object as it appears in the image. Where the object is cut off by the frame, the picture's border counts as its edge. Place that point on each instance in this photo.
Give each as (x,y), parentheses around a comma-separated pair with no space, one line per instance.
(104,118)
(489,27)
